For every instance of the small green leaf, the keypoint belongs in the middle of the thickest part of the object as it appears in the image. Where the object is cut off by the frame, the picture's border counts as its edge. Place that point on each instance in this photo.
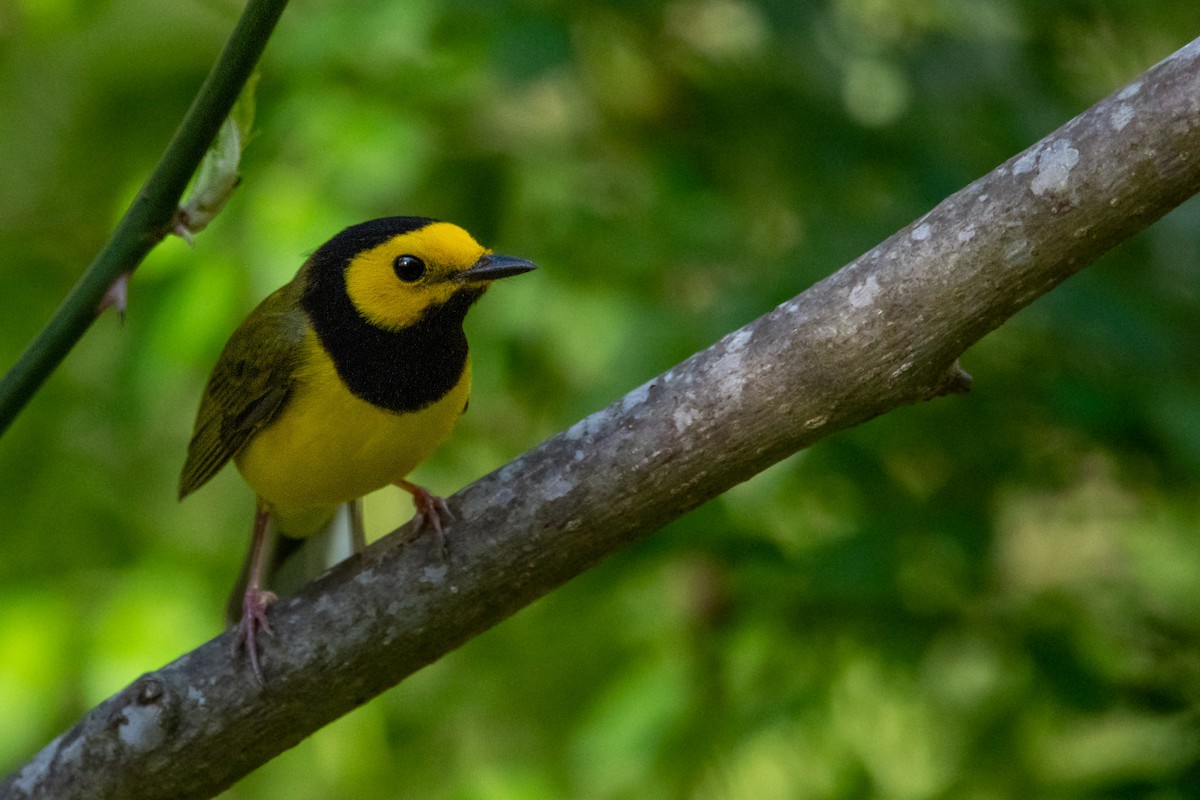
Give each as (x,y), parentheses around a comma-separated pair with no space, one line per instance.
(218,174)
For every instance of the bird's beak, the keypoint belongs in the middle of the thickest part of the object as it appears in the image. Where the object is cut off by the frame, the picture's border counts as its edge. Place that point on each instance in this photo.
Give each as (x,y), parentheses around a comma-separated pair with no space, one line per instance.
(492,267)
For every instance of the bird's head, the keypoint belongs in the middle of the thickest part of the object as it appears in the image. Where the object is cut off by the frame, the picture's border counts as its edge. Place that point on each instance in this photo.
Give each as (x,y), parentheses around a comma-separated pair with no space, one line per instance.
(395,270)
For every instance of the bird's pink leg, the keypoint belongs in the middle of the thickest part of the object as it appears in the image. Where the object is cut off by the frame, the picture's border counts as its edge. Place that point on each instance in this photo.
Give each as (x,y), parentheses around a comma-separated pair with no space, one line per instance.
(256,599)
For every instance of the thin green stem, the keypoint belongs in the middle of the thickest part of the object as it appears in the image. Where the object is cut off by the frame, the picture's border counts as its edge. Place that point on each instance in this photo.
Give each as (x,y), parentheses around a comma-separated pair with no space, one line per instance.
(150,216)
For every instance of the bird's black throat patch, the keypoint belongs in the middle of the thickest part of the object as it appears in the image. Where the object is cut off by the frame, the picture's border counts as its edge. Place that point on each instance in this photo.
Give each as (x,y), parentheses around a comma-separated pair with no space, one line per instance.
(403,370)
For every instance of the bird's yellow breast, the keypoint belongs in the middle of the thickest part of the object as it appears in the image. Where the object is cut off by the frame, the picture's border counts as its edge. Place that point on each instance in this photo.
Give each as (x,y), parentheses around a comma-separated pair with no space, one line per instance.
(327,447)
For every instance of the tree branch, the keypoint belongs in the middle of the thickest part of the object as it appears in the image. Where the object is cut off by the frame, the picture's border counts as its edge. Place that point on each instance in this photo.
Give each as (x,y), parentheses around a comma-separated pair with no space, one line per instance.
(882,332)
(150,216)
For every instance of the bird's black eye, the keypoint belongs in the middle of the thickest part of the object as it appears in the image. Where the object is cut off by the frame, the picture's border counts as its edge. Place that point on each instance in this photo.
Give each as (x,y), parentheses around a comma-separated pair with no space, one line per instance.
(409,269)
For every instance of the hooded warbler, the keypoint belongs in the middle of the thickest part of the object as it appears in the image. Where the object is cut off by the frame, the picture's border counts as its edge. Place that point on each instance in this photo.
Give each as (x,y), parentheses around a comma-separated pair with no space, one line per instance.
(341,382)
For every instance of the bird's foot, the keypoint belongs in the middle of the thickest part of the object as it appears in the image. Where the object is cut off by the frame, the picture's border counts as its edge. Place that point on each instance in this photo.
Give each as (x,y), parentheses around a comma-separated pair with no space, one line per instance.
(432,513)
(254,619)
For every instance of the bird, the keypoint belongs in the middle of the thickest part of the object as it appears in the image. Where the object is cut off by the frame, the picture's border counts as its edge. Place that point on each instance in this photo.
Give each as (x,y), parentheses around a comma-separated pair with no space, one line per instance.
(340,383)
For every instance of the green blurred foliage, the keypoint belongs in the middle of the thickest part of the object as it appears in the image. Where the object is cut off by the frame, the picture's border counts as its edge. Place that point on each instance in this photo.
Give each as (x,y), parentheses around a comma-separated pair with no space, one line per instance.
(986,597)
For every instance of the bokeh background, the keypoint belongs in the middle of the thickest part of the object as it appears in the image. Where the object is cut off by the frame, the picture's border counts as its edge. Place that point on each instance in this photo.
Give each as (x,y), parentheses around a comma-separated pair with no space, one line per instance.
(992,596)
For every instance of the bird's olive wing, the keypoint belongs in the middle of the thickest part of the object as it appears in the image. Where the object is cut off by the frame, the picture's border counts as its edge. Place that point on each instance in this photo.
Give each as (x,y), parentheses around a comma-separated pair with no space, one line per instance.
(249,385)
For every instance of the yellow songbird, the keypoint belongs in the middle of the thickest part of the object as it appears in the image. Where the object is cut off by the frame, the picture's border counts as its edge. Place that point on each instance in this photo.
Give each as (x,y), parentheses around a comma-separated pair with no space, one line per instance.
(342,381)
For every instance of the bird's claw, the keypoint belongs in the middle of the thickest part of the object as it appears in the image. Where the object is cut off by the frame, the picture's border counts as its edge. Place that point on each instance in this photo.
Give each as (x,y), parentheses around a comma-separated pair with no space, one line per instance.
(254,619)
(432,513)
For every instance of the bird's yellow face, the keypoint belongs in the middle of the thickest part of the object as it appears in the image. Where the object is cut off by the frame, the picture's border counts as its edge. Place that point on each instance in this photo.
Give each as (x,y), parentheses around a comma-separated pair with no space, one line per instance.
(392,284)
(408,277)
